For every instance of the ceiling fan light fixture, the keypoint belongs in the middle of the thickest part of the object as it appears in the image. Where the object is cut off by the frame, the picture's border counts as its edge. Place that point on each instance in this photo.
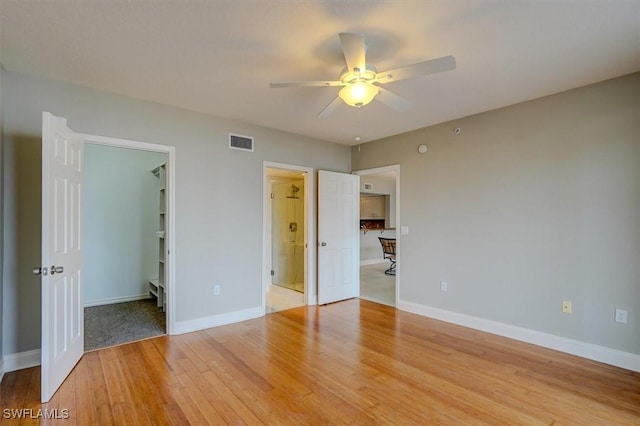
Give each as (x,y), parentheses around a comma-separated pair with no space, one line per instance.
(358,94)
(359,81)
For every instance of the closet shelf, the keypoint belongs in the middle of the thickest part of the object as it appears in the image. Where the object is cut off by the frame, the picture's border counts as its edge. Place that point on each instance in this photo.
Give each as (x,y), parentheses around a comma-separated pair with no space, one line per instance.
(157,286)
(154,287)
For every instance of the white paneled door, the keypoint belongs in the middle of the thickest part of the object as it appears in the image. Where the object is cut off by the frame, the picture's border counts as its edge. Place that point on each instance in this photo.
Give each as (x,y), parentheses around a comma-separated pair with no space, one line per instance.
(338,235)
(62,313)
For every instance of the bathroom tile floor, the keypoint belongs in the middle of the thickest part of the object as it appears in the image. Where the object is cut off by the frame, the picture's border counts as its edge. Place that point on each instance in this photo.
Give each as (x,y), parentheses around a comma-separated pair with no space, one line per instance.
(375,286)
(281,298)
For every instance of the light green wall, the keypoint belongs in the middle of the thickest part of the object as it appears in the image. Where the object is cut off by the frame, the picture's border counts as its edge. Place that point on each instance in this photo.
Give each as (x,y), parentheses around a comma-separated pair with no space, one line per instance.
(530,205)
(121,199)
(218,194)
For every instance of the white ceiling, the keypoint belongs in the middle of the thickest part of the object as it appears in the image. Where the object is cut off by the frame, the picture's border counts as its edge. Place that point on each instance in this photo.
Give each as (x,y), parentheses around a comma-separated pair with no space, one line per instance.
(218,57)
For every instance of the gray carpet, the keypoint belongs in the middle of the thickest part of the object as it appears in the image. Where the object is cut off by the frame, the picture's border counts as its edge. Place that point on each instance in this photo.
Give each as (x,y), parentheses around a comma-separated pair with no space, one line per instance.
(110,325)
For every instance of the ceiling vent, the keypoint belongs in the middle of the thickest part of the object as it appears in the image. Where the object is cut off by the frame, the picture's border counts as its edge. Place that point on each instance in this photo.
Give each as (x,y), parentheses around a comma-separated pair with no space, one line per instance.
(243,143)
(368,187)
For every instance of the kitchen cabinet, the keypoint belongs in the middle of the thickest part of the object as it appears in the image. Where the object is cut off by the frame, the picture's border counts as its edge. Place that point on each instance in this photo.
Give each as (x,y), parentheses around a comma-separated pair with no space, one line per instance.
(372,207)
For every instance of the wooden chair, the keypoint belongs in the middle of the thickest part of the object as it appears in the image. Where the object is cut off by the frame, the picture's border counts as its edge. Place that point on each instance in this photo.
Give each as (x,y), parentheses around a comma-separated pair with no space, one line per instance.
(389,252)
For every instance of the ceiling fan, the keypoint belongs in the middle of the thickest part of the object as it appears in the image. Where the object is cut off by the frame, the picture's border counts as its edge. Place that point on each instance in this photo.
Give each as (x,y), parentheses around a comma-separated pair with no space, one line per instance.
(360,81)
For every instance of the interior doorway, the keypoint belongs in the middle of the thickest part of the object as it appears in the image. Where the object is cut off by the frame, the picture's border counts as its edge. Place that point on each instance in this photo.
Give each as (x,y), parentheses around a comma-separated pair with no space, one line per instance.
(287,231)
(124,215)
(379,236)
(128,210)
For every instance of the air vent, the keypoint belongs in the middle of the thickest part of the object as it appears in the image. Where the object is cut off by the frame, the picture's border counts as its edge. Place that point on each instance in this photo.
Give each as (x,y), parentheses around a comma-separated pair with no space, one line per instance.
(368,186)
(244,143)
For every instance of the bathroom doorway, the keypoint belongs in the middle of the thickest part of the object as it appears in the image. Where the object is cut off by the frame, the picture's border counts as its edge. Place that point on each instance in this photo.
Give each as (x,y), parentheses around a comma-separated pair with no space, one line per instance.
(286,232)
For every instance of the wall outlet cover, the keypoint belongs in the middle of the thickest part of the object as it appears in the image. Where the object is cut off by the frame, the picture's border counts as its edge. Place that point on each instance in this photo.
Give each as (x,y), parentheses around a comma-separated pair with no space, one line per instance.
(621,316)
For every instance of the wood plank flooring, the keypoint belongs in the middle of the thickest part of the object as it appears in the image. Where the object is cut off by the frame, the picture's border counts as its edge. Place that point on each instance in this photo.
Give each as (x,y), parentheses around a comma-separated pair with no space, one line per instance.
(354,362)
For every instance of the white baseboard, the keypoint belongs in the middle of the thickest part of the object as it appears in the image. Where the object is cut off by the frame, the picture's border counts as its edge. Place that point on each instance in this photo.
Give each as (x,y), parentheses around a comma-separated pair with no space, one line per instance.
(603,354)
(217,320)
(20,360)
(372,262)
(113,300)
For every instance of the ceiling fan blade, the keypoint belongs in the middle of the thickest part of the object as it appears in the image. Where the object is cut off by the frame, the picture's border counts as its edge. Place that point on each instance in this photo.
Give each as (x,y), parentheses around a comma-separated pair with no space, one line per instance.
(329,109)
(320,83)
(432,66)
(354,51)
(393,101)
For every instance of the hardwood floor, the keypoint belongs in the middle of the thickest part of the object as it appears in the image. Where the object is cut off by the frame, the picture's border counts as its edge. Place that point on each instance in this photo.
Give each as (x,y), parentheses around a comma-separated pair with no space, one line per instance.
(354,362)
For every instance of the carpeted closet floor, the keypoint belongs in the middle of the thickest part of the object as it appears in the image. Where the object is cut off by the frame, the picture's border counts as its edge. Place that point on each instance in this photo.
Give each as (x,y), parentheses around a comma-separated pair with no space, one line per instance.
(110,325)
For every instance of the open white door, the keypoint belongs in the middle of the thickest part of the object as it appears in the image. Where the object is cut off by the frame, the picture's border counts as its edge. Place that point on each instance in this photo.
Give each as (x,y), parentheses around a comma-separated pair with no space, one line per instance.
(62,312)
(338,234)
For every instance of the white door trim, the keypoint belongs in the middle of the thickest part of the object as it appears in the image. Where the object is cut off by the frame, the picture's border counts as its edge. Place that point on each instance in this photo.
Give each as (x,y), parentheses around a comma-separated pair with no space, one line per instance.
(171,229)
(391,168)
(310,291)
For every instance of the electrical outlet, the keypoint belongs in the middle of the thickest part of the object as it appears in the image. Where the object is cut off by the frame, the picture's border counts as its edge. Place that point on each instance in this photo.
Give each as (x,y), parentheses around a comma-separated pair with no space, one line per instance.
(216,290)
(566,306)
(621,316)
(444,286)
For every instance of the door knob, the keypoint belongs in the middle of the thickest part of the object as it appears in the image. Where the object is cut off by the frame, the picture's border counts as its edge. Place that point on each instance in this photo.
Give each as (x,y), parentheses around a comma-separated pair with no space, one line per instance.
(323,244)
(56,269)
(38,270)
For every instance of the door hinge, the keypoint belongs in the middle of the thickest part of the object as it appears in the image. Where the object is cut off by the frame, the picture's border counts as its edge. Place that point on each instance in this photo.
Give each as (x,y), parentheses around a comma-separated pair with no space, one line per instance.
(273,272)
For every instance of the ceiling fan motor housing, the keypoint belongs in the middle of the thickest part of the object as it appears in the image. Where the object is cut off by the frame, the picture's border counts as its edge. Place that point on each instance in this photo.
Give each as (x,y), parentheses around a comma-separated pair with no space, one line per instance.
(367,76)
(359,89)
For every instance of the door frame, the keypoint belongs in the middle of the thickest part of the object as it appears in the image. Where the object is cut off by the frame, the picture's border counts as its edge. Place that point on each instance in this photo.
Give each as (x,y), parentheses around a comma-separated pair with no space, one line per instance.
(384,169)
(170,151)
(310,287)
